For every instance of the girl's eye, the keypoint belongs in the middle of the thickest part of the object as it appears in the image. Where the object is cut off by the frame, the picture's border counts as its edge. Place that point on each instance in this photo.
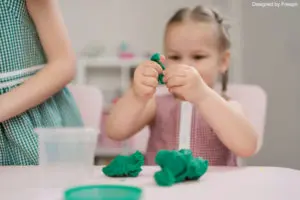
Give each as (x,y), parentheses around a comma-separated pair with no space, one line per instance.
(198,57)
(174,57)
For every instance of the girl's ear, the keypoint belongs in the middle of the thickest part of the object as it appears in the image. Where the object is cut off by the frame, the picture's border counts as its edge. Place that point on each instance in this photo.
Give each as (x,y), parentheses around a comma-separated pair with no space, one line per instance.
(224,61)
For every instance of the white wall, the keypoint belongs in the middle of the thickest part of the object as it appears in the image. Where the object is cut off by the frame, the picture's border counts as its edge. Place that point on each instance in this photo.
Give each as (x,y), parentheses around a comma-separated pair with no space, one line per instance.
(272,60)
(139,22)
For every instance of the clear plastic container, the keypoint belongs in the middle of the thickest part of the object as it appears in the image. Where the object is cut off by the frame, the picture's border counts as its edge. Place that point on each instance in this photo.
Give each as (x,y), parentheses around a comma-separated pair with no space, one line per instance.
(67,146)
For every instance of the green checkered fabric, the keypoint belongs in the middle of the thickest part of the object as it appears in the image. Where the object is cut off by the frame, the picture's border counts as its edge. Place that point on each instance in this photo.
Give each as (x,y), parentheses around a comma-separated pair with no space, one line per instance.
(20,48)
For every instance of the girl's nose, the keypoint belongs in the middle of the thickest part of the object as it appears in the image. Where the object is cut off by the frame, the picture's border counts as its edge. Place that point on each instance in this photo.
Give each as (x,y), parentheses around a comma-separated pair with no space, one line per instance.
(187,62)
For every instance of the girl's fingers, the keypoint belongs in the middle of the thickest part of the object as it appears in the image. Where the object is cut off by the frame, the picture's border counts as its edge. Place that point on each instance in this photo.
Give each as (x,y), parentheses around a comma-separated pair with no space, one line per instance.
(176,92)
(176,81)
(155,66)
(171,74)
(150,72)
(151,82)
(162,58)
(174,71)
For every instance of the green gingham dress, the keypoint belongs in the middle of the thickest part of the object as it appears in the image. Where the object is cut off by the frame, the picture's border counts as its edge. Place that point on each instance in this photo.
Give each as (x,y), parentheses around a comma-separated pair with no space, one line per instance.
(21,56)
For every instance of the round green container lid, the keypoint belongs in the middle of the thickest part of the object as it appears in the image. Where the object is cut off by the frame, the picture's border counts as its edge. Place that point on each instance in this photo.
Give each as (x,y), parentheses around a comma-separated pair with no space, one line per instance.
(103,192)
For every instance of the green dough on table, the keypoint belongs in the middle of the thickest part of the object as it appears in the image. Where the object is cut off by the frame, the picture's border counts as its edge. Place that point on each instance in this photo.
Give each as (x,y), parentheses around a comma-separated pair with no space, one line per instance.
(125,166)
(157,58)
(178,166)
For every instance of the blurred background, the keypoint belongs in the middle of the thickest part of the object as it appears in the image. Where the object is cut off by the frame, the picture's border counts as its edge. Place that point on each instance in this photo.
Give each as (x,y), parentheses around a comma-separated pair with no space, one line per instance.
(112,36)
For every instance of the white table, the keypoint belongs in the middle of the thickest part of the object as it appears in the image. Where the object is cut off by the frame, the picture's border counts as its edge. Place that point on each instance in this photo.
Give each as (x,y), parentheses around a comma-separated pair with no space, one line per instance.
(249,183)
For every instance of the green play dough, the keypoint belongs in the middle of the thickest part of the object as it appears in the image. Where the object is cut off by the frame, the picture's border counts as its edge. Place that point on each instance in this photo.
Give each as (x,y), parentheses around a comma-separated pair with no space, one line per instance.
(125,166)
(156,58)
(178,166)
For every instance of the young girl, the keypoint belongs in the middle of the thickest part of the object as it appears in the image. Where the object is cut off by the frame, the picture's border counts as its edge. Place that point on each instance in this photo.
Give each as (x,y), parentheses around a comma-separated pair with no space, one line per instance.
(36,62)
(197,50)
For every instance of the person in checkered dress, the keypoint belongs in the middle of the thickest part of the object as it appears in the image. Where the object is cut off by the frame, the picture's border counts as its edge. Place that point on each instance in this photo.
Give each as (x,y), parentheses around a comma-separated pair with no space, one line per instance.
(36,62)
(197,50)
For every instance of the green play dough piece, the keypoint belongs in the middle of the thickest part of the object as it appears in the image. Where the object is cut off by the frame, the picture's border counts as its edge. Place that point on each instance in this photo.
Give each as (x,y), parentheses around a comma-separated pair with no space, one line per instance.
(164,177)
(156,58)
(125,166)
(178,166)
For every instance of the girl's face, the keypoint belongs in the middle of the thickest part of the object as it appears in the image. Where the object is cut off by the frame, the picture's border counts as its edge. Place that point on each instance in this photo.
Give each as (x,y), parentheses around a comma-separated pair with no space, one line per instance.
(196,44)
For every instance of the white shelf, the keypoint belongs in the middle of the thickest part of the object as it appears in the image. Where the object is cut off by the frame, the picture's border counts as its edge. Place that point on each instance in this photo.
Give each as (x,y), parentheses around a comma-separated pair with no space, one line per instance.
(103,62)
(124,65)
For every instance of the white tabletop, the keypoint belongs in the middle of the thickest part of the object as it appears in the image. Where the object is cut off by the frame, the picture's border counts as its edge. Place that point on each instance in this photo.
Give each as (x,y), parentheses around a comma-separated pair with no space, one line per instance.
(249,183)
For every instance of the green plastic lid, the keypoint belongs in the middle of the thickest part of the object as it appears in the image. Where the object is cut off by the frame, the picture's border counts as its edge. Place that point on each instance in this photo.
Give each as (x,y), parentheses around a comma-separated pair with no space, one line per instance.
(103,192)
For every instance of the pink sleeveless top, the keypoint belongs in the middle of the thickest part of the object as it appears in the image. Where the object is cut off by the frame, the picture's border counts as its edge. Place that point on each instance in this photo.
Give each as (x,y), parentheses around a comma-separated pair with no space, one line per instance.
(164,134)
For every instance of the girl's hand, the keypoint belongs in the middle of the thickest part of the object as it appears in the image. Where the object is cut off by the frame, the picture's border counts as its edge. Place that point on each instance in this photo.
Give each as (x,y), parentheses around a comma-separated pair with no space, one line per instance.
(185,83)
(145,80)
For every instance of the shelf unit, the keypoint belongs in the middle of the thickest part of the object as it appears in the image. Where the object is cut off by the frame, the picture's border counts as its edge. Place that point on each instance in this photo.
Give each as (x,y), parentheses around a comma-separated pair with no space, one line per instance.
(107,62)
(114,72)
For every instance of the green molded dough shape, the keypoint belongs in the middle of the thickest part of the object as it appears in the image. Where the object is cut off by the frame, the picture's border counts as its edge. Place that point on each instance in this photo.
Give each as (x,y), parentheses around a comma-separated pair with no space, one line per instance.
(157,58)
(178,166)
(125,166)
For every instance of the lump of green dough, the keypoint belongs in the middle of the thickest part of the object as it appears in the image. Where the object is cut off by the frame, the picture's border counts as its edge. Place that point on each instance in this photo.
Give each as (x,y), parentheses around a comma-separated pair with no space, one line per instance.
(125,166)
(178,166)
(157,58)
